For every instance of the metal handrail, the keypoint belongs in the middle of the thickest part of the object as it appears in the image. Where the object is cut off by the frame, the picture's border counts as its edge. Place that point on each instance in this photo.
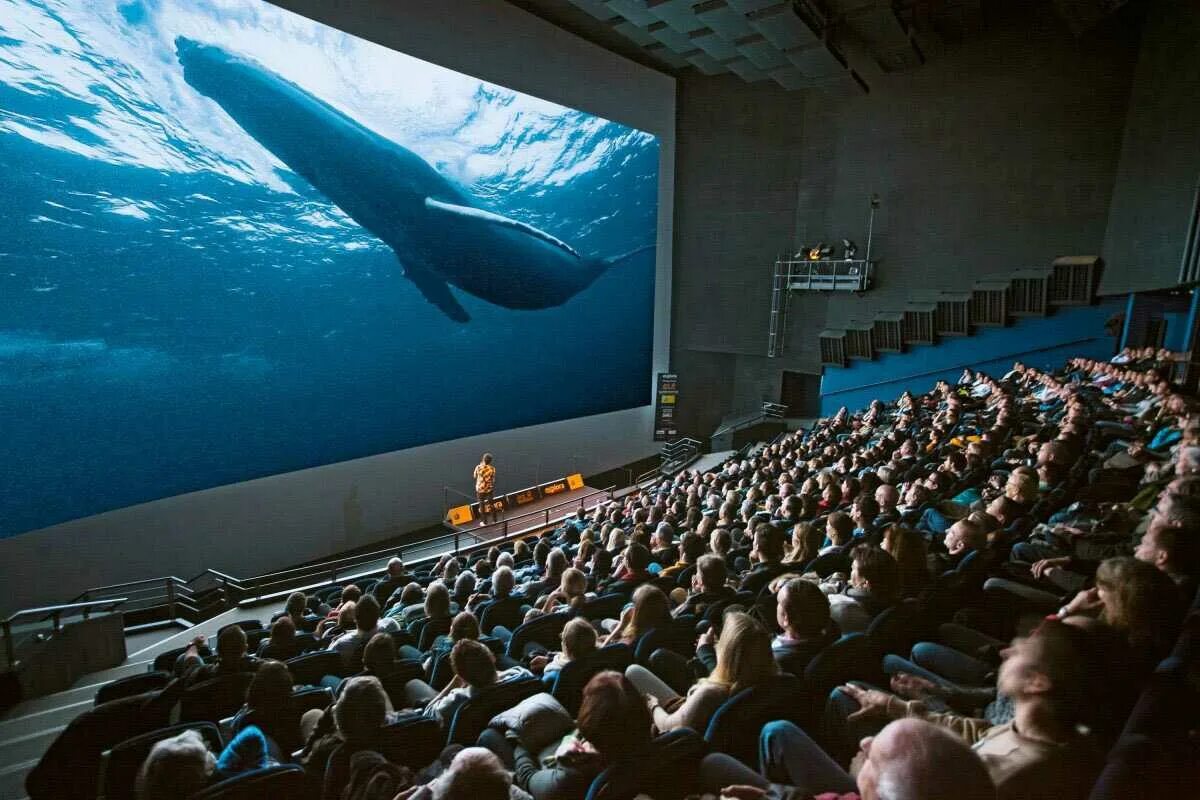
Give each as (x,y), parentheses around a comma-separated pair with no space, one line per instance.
(175,592)
(543,512)
(52,612)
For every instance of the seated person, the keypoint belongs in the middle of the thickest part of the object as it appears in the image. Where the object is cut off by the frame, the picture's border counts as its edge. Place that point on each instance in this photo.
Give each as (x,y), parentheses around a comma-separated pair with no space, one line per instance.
(613,727)
(296,608)
(569,596)
(767,555)
(802,611)
(367,624)
(839,528)
(355,720)
(350,594)
(346,622)
(231,657)
(650,609)
(662,545)
(282,643)
(632,572)
(391,583)
(183,765)
(1061,680)
(474,670)
(691,547)
(708,587)
(578,641)
(874,586)
(743,659)
(907,759)
(269,706)
(464,626)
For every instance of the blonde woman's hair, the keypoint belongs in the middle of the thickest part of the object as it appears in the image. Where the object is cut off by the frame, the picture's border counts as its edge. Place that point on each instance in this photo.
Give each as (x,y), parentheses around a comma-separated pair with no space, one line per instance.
(744,656)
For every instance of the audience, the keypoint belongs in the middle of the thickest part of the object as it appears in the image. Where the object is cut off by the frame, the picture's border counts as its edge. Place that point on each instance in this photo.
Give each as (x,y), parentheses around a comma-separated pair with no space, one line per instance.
(1056,510)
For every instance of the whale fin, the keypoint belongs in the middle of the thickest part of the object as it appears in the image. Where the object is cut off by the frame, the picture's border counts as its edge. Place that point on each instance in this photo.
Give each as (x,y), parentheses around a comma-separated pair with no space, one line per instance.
(608,262)
(478,214)
(435,290)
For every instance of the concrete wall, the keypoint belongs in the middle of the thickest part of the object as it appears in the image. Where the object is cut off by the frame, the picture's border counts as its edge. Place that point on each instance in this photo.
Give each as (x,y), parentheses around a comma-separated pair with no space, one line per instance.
(1160,154)
(265,524)
(997,154)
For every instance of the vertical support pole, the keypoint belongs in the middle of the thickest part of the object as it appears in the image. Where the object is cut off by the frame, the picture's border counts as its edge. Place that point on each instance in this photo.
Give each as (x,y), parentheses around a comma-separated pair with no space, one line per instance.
(171,599)
(9,654)
(1130,303)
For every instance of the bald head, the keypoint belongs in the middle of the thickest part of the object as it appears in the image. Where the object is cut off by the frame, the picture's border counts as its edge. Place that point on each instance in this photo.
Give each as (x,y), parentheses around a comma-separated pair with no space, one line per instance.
(911,759)
(476,773)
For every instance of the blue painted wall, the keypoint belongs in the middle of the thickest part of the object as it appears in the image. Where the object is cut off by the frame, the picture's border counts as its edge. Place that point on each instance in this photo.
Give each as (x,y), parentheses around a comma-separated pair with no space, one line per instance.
(1043,342)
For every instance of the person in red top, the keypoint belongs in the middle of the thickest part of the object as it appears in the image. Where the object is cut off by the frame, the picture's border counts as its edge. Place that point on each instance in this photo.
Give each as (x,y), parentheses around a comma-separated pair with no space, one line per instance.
(485,484)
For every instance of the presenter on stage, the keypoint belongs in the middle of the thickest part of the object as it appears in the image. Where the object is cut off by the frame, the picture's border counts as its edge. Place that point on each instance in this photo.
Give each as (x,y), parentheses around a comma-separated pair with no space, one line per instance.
(485,484)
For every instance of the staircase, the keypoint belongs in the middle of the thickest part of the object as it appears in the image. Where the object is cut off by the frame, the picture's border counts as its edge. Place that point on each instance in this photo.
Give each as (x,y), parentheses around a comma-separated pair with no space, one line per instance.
(993,302)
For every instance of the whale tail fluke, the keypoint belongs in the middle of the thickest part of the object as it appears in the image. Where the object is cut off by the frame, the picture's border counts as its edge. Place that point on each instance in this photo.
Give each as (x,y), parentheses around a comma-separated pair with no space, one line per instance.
(617,259)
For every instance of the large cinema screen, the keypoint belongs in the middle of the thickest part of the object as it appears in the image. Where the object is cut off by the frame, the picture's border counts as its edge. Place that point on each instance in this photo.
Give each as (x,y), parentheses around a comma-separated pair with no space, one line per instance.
(235,242)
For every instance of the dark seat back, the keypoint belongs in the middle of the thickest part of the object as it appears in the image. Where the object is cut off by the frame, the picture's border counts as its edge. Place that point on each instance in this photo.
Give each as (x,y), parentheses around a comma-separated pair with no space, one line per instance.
(545,630)
(668,771)
(473,716)
(679,636)
(415,743)
(134,684)
(119,766)
(568,684)
(606,606)
(506,612)
(433,629)
(735,726)
(280,782)
(896,629)
(852,657)
(830,563)
(308,669)
(216,698)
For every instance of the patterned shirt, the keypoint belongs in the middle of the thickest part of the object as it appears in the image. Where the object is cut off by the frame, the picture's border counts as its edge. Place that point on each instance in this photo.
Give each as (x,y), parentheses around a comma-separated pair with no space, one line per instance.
(485,478)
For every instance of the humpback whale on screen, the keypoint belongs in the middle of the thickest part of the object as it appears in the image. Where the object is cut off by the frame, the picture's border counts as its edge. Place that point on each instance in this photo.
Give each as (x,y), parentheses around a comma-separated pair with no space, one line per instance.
(433,226)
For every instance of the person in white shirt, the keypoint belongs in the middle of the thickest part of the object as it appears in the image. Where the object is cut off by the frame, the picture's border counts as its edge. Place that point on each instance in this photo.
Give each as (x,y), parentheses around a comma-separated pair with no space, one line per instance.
(368,623)
(474,670)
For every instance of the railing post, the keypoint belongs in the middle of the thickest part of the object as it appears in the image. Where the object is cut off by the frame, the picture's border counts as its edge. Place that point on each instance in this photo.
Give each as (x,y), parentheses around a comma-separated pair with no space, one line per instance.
(9,653)
(171,598)
(57,617)
(456,542)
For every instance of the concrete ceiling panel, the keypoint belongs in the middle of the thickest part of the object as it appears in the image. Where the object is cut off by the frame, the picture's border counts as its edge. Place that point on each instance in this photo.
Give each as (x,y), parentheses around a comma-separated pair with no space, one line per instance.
(816,62)
(744,69)
(676,13)
(595,8)
(782,27)
(638,36)
(715,45)
(706,63)
(752,6)
(632,10)
(762,53)
(663,54)
(790,78)
(726,21)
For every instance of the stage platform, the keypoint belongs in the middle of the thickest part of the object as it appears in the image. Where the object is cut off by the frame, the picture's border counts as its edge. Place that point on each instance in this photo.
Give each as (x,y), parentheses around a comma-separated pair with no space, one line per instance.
(532,516)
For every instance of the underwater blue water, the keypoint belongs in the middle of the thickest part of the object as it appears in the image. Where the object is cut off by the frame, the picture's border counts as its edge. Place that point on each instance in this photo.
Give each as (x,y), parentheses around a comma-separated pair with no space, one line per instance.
(179,310)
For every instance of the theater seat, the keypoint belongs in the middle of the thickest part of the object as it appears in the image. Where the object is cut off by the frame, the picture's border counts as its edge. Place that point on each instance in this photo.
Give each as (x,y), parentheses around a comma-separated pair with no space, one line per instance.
(308,669)
(897,629)
(545,630)
(214,699)
(568,684)
(735,726)
(134,684)
(852,657)
(667,771)
(280,782)
(678,637)
(473,716)
(119,766)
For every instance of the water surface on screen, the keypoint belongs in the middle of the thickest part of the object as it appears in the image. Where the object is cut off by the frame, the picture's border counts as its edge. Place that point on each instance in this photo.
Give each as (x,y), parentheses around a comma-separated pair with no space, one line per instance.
(235,242)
